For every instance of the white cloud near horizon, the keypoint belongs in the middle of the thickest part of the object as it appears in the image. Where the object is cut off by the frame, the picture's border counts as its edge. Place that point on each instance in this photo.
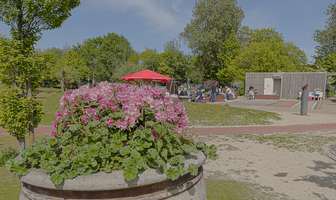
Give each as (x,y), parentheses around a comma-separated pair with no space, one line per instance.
(164,18)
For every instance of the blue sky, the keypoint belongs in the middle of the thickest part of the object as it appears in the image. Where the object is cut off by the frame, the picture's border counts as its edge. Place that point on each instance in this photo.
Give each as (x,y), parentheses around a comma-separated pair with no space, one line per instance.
(150,23)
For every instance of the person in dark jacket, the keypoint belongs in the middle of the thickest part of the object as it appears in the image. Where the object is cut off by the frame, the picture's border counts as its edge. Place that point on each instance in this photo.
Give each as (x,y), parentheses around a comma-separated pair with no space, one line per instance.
(213,92)
(199,95)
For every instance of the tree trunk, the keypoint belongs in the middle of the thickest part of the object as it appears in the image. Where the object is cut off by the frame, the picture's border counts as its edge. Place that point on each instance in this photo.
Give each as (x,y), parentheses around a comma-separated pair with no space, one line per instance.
(93,78)
(22,144)
(31,117)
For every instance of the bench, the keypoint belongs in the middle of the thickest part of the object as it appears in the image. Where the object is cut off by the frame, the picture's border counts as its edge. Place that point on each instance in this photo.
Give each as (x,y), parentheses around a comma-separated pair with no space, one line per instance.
(333,100)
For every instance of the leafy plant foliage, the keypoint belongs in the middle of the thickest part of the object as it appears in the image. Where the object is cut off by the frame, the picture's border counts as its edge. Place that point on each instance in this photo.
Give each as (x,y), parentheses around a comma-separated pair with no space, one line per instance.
(114,127)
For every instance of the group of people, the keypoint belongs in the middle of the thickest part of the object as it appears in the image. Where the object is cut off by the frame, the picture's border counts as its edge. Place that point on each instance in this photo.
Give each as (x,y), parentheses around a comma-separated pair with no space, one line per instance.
(227,92)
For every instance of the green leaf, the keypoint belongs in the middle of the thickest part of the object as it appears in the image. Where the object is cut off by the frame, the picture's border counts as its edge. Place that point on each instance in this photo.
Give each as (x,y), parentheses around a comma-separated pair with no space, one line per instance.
(67,149)
(105,153)
(164,153)
(52,141)
(96,136)
(56,179)
(88,172)
(74,127)
(200,144)
(177,159)
(128,162)
(130,173)
(125,150)
(159,143)
(49,168)
(93,124)
(10,163)
(72,174)
(139,163)
(116,145)
(180,170)
(193,169)
(135,153)
(59,168)
(67,135)
(187,148)
(150,123)
(153,153)
(53,160)
(173,173)
(102,131)
(93,151)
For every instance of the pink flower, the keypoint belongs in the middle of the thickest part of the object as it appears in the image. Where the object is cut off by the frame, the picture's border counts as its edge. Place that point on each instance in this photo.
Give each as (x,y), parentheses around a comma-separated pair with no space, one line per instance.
(73,148)
(53,134)
(67,123)
(97,119)
(85,119)
(109,122)
(37,89)
(83,133)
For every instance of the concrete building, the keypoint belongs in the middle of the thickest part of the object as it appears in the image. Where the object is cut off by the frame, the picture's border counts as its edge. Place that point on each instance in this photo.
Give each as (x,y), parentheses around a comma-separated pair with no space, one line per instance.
(286,85)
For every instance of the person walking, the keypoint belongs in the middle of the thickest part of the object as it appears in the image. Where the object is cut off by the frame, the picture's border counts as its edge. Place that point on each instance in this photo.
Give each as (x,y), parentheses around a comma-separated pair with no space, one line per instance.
(213,92)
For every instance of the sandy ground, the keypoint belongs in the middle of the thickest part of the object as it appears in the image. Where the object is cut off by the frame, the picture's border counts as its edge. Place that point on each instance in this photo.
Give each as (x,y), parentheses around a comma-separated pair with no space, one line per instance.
(293,174)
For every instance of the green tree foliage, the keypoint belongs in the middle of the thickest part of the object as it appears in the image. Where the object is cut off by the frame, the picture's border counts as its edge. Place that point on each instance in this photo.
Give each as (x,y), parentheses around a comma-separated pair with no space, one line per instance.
(74,67)
(326,38)
(328,63)
(228,71)
(127,68)
(212,23)
(27,19)
(175,63)
(18,65)
(104,54)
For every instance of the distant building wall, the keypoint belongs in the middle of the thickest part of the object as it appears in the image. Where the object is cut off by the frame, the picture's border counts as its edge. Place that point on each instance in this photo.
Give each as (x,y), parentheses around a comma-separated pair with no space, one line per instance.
(291,83)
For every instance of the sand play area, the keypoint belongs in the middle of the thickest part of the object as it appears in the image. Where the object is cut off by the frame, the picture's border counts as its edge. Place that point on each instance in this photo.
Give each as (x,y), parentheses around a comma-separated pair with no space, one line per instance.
(286,166)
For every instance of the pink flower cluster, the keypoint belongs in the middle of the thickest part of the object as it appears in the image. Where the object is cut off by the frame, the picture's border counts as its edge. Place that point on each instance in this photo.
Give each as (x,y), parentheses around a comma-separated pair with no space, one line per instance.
(95,103)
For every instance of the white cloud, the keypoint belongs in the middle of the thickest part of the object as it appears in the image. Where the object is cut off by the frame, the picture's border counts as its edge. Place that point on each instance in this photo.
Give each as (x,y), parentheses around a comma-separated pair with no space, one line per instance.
(165,19)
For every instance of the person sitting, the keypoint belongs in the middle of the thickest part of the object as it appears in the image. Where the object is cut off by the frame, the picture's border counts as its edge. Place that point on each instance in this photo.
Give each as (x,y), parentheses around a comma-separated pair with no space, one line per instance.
(221,92)
(317,93)
(199,95)
(184,92)
(228,92)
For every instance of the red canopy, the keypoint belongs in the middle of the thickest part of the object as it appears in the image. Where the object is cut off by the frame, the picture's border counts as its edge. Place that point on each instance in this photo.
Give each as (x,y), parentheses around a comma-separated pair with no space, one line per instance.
(146,75)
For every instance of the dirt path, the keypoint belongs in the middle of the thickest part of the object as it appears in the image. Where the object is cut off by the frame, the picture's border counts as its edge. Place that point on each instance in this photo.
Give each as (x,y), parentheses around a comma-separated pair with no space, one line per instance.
(289,163)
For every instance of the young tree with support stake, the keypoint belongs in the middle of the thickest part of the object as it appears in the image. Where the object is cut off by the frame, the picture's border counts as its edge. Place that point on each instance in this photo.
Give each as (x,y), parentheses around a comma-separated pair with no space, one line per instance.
(27,19)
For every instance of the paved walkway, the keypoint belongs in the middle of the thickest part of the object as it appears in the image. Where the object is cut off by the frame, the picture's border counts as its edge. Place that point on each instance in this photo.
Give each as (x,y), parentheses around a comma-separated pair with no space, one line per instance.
(235,129)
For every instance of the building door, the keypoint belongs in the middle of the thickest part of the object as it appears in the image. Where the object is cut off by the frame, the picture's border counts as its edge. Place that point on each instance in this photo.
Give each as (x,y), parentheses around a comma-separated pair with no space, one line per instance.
(277,87)
(268,86)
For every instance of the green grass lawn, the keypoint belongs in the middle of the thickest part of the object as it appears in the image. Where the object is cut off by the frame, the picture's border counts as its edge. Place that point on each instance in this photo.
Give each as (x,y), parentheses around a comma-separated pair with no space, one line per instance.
(9,184)
(201,114)
(50,107)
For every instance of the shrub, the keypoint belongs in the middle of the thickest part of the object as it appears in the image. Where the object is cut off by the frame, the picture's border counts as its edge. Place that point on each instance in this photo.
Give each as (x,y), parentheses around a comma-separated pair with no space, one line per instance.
(6,154)
(114,127)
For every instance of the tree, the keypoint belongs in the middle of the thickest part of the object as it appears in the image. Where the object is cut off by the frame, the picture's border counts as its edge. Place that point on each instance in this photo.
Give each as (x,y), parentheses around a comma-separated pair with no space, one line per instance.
(91,52)
(27,19)
(127,68)
(116,49)
(74,68)
(328,63)
(228,71)
(212,23)
(173,62)
(15,108)
(326,38)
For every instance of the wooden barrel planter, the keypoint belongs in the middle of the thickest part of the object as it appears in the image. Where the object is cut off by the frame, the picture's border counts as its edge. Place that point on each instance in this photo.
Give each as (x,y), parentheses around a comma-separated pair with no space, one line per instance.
(150,184)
